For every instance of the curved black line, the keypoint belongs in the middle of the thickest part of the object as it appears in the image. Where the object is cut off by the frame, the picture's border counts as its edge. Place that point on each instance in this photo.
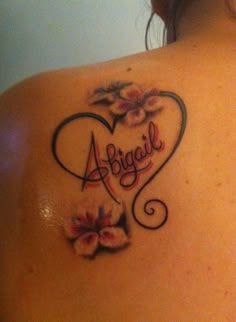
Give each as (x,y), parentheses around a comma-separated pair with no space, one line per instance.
(67,121)
(151,212)
(182,108)
(99,170)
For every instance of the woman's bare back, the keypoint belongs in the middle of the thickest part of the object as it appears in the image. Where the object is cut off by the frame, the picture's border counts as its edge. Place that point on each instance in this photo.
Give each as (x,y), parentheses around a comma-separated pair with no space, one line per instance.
(83,151)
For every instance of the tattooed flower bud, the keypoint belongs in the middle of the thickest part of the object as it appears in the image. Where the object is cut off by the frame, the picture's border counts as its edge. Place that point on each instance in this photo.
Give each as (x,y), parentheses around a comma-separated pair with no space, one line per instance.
(134,104)
(127,101)
(97,226)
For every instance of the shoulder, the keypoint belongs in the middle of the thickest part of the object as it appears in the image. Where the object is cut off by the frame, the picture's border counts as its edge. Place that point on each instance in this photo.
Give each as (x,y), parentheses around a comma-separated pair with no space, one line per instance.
(54,86)
(43,96)
(35,90)
(60,90)
(35,106)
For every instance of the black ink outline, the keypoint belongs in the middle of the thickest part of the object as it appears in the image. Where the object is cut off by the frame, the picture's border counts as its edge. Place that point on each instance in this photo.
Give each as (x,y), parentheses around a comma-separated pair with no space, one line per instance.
(147,211)
(151,212)
(73,118)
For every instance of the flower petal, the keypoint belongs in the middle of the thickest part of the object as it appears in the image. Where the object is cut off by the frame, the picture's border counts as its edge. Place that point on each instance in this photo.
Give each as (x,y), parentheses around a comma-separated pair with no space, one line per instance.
(113,237)
(152,92)
(135,116)
(87,216)
(73,229)
(109,214)
(87,244)
(153,103)
(133,93)
(83,221)
(121,107)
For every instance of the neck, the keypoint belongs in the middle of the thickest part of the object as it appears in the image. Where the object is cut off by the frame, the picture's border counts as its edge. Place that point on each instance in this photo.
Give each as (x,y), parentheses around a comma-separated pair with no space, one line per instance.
(208,21)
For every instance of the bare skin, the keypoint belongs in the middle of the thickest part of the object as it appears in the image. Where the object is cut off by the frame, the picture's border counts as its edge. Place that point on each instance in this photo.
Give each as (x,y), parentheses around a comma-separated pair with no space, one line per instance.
(184,271)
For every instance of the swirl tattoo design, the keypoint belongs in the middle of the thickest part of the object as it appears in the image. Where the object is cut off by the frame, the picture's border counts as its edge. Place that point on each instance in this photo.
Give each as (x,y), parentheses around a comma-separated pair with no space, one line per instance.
(148,210)
(132,106)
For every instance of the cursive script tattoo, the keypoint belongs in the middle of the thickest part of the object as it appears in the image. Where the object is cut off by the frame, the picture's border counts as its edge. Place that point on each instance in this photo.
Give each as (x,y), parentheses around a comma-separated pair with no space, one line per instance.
(131,106)
(123,165)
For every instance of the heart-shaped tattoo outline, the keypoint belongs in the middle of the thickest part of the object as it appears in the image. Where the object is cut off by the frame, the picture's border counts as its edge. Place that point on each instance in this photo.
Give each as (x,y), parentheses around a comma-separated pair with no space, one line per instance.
(148,210)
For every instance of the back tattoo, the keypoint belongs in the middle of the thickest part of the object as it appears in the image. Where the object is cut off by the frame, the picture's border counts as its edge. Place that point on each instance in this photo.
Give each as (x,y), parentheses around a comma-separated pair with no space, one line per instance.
(155,121)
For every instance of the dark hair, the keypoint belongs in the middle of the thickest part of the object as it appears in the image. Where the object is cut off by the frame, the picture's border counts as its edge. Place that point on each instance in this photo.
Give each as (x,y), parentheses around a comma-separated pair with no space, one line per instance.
(175,10)
(231,6)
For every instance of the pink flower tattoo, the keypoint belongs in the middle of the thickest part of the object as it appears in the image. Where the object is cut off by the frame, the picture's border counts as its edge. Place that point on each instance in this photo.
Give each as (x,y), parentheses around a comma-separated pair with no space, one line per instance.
(128,101)
(97,227)
(135,104)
